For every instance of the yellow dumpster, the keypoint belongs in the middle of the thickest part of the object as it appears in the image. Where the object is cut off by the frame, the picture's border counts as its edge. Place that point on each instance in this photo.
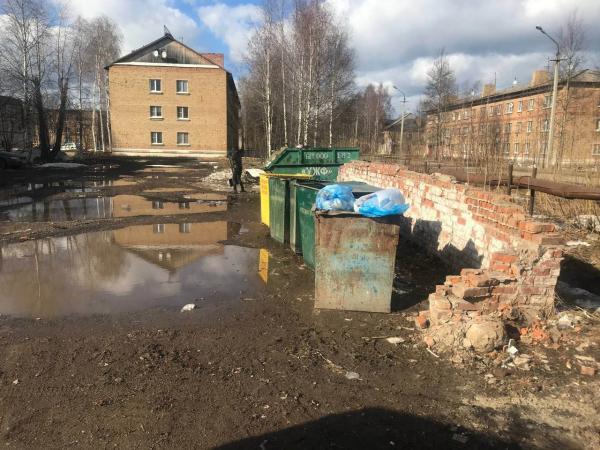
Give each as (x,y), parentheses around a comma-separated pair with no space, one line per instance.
(264,191)
(264,199)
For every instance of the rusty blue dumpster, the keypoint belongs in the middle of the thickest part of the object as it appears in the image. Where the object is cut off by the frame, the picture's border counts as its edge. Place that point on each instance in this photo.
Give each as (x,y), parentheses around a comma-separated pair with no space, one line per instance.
(355,261)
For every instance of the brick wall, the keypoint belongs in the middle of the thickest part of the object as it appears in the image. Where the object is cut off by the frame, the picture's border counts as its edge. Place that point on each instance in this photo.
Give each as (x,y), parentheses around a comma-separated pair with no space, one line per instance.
(504,262)
(130,101)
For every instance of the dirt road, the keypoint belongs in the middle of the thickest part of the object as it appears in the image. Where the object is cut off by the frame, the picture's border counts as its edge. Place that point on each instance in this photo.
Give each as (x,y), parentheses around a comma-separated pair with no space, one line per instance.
(95,353)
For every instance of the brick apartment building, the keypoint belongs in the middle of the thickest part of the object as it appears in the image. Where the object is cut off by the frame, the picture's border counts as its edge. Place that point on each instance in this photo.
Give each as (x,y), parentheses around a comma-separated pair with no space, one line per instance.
(513,123)
(168,99)
(12,124)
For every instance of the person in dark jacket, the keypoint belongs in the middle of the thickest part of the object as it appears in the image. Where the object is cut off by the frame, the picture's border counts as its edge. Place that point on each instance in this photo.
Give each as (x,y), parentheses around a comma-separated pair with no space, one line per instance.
(235,160)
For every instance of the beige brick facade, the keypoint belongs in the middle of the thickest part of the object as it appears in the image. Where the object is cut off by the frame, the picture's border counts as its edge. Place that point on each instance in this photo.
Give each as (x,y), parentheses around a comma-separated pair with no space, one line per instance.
(210,125)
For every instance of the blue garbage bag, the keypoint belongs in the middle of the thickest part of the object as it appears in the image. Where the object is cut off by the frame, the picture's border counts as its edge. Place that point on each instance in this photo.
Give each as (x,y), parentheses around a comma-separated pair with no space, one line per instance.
(335,197)
(387,202)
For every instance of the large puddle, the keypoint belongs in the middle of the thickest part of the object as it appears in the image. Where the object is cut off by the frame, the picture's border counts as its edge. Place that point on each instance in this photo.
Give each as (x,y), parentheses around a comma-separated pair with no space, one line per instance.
(107,207)
(133,268)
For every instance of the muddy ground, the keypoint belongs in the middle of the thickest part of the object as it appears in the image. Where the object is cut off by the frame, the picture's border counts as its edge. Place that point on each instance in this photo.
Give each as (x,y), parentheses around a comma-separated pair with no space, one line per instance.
(259,368)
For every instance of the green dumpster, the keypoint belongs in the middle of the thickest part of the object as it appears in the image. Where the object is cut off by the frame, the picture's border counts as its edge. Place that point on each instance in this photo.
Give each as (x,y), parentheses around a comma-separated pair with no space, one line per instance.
(302,221)
(279,209)
(321,163)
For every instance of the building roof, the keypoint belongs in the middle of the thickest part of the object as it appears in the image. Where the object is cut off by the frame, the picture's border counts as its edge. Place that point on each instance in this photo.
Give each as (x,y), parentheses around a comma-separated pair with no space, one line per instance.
(583,77)
(163,41)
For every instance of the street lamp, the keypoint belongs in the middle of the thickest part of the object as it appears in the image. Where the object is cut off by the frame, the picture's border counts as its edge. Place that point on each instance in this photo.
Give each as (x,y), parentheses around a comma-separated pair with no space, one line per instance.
(550,157)
(402,118)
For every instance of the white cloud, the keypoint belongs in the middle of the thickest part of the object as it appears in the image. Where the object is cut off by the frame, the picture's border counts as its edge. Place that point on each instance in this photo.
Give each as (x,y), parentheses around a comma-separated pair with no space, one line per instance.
(231,24)
(141,21)
(397,40)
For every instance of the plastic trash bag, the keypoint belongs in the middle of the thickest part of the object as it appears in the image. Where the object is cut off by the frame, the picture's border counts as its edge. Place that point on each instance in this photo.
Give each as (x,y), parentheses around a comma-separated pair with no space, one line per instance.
(335,197)
(387,202)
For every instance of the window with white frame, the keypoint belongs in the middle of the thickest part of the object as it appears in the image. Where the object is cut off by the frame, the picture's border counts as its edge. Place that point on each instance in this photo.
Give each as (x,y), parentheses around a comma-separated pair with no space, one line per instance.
(466,114)
(545,125)
(531,104)
(508,128)
(182,87)
(506,148)
(596,150)
(547,101)
(185,227)
(527,148)
(155,85)
(520,106)
(182,138)
(516,149)
(509,108)
(597,124)
(156,137)
(158,228)
(156,112)
(182,113)
(498,110)
(491,111)
(530,126)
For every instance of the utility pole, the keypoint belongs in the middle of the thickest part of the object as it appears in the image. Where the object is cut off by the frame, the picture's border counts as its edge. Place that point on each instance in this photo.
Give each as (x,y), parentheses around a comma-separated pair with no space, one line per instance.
(403,113)
(550,157)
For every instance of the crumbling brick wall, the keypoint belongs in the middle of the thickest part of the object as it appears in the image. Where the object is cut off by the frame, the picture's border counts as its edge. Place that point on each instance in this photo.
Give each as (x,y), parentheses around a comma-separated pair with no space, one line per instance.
(505,262)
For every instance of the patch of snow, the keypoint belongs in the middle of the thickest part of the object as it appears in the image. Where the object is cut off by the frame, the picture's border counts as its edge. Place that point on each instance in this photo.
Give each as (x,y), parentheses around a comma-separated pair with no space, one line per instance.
(61,165)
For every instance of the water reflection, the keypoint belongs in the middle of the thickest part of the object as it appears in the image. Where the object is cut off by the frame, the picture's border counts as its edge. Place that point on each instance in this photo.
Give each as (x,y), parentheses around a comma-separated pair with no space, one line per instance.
(106,207)
(124,270)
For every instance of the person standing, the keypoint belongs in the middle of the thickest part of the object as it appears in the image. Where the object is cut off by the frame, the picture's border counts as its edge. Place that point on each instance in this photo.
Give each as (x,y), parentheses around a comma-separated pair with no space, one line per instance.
(235,160)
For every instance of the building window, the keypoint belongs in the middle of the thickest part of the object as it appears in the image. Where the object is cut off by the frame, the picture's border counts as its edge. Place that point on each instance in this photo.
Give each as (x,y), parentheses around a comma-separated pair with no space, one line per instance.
(156,137)
(491,111)
(547,101)
(506,148)
(182,87)
(520,106)
(453,116)
(466,114)
(157,204)
(185,227)
(530,126)
(596,150)
(531,104)
(527,148)
(516,148)
(155,86)
(518,127)
(158,228)
(509,108)
(545,125)
(182,138)
(508,128)
(156,112)
(182,113)
(597,124)
(498,110)
(184,205)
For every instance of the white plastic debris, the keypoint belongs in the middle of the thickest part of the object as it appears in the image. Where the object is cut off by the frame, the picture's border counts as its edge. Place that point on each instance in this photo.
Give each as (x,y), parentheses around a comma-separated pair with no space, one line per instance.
(511,348)
(395,340)
(188,307)
(352,376)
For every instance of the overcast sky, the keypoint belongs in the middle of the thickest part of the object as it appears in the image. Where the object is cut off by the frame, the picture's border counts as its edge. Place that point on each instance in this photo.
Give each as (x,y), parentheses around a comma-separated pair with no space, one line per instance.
(395,40)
